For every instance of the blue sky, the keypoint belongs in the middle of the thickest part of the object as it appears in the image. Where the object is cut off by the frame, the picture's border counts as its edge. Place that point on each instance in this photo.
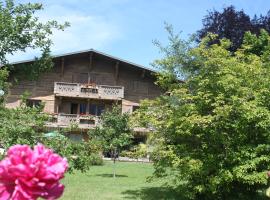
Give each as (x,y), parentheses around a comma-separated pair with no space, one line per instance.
(126,28)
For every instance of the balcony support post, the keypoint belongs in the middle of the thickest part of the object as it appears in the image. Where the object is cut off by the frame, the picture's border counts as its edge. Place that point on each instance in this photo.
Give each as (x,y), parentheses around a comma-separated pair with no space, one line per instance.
(87,106)
(78,110)
(59,101)
(116,74)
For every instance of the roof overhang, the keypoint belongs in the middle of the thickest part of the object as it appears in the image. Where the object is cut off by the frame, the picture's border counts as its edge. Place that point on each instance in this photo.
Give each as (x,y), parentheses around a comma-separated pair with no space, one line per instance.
(90,51)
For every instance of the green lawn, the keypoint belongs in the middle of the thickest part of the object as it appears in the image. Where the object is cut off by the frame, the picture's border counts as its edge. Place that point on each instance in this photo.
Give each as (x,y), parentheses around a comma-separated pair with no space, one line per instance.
(130,183)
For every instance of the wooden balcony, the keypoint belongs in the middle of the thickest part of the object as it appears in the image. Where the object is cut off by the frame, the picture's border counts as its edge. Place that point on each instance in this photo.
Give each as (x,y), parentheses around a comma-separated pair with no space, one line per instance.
(63,120)
(84,122)
(88,91)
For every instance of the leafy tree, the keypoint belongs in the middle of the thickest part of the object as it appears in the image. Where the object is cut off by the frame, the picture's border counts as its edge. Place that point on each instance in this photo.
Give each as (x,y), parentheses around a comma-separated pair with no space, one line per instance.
(21,30)
(3,83)
(258,45)
(114,132)
(212,132)
(232,24)
(20,125)
(173,67)
(24,125)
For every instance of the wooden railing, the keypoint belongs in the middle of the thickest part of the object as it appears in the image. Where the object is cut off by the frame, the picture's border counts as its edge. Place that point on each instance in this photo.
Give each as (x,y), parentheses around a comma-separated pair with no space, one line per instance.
(88,91)
(85,122)
(74,120)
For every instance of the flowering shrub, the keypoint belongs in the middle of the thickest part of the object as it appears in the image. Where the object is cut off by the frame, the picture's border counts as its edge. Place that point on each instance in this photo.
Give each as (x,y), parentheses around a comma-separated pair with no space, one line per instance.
(27,174)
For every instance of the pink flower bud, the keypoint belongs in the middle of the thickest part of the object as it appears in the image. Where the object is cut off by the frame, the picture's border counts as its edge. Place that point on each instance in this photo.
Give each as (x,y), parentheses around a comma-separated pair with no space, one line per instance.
(27,174)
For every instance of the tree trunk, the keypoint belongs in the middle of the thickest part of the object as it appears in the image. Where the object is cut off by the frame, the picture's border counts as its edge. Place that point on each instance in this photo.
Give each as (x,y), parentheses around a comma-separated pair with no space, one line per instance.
(114,160)
(114,167)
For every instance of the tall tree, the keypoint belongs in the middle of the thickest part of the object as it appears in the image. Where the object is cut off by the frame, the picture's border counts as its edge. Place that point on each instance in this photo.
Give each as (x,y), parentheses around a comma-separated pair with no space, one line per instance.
(232,24)
(174,65)
(114,132)
(21,29)
(212,132)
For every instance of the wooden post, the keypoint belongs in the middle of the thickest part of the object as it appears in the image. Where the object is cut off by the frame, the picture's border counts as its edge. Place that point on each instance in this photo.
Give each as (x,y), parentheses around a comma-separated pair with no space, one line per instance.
(116,74)
(78,109)
(143,74)
(62,66)
(57,108)
(87,107)
(90,65)
(59,101)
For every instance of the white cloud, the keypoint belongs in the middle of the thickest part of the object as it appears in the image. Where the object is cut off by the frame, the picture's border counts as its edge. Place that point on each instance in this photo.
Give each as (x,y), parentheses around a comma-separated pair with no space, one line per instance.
(87,30)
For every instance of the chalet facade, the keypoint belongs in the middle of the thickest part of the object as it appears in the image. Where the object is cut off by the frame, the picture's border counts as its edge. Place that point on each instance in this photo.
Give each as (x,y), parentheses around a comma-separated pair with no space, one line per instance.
(82,85)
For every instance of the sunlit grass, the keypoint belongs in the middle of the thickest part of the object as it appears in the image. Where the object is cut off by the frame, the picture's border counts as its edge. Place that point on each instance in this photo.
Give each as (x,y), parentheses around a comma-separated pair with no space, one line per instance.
(98,183)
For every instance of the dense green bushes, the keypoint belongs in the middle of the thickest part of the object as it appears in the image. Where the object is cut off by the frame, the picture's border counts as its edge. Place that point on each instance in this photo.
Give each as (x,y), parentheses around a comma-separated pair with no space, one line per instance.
(212,131)
(137,151)
(80,155)
(24,125)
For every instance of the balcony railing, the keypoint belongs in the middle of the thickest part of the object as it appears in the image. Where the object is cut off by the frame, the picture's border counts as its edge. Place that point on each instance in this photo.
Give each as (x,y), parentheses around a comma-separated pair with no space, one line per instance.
(84,122)
(88,91)
(73,120)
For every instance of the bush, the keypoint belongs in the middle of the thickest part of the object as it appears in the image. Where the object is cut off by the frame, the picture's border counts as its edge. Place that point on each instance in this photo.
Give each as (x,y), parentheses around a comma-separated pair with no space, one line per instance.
(96,159)
(138,151)
(80,155)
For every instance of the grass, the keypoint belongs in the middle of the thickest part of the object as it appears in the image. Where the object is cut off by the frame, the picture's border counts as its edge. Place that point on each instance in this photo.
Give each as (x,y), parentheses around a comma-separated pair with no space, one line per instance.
(130,183)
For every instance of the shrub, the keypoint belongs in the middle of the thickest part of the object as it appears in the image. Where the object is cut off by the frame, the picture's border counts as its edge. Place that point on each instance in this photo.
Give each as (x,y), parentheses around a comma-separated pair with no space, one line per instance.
(138,151)
(81,155)
(96,159)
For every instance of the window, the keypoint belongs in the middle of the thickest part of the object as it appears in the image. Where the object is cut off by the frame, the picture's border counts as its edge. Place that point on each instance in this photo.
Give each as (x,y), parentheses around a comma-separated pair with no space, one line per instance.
(74,108)
(82,109)
(92,109)
(135,108)
(95,109)
(33,103)
(100,109)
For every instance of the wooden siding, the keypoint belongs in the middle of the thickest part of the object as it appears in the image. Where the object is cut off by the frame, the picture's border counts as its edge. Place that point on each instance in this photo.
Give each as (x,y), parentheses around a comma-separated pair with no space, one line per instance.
(138,84)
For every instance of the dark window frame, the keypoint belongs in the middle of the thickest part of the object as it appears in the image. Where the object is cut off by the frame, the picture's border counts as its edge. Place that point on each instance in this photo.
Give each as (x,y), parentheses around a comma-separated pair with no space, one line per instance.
(96,109)
(33,103)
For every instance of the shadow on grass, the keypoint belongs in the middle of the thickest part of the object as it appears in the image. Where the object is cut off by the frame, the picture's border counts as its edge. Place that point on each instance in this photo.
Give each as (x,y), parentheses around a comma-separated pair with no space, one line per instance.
(111,175)
(153,193)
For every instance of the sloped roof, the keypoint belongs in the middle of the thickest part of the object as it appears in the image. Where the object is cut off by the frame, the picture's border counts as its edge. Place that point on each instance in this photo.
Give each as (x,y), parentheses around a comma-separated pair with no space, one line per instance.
(89,51)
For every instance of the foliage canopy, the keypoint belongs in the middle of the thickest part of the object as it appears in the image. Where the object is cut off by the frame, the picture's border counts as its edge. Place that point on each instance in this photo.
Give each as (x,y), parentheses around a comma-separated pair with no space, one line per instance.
(20,30)
(232,24)
(212,131)
(114,132)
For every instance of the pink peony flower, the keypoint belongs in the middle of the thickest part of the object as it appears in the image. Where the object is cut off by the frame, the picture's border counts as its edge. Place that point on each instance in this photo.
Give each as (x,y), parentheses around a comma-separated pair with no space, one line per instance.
(27,174)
